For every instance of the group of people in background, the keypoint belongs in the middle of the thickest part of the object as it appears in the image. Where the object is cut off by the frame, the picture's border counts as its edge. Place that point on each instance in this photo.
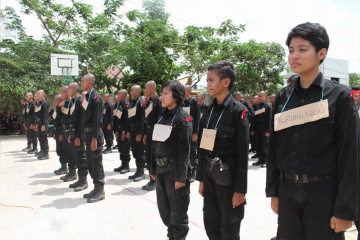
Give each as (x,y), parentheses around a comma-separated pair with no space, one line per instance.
(312,166)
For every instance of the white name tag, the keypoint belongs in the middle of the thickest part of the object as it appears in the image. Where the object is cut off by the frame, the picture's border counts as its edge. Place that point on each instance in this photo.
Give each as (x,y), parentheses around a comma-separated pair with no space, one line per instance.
(208,139)
(27,110)
(187,109)
(359,112)
(54,115)
(118,114)
(148,109)
(201,115)
(72,109)
(132,112)
(161,132)
(115,111)
(260,111)
(84,104)
(37,109)
(23,111)
(65,110)
(298,116)
(104,111)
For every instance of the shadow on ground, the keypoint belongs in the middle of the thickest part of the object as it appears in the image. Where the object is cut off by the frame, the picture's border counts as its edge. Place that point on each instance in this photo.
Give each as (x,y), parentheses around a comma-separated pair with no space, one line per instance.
(65,203)
(43,175)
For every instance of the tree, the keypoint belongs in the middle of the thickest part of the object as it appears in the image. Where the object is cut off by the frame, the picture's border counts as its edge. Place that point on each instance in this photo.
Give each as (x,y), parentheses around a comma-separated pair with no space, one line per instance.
(354,79)
(258,67)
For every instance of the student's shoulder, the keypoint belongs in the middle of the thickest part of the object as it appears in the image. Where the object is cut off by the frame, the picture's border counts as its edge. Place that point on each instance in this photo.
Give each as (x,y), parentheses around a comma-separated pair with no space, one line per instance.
(341,88)
(238,106)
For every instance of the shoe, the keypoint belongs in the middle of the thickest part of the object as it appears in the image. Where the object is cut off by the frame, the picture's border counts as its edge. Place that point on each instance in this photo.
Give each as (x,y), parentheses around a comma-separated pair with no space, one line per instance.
(122,166)
(193,174)
(99,195)
(115,147)
(107,150)
(90,194)
(126,169)
(139,176)
(28,148)
(258,163)
(274,238)
(32,151)
(70,176)
(44,156)
(255,156)
(146,185)
(62,170)
(152,185)
(39,153)
(82,184)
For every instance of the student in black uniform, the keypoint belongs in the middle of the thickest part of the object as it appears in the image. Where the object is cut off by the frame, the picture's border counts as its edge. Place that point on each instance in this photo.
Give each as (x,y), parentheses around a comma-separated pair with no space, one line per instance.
(170,170)
(260,128)
(76,138)
(223,167)
(65,128)
(31,119)
(108,123)
(115,106)
(200,96)
(239,97)
(92,121)
(42,124)
(195,113)
(312,168)
(135,132)
(152,114)
(59,137)
(272,99)
(123,141)
(255,103)
(26,122)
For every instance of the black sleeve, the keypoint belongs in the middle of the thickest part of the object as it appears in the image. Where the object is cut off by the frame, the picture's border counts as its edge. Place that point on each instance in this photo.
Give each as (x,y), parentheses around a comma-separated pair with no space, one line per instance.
(183,132)
(79,132)
(251,110)
(97,114)
(141,108)
(201,153)
(347,135)
(45,113)
(110,114)
(268,118)
(197,112)
(31,114)
(125,117)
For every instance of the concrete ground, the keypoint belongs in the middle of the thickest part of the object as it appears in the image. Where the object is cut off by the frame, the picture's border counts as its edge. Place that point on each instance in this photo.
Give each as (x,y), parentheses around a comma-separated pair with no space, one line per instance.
(35,204)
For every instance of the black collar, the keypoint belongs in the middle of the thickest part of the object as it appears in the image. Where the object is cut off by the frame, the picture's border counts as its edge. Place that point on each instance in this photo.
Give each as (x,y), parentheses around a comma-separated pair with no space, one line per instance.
(319,81)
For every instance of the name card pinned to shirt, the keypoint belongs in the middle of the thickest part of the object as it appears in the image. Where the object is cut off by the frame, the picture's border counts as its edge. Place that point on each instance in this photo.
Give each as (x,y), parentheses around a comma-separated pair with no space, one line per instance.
(27,110)
(72,109)
(161,132)
(54,115)
(301,115)
(132,112)
(85,104)
(104,111)
(208,139)
(65,110)
(260,111)
(187,109)
(149,109)
(37,109)
(118,114)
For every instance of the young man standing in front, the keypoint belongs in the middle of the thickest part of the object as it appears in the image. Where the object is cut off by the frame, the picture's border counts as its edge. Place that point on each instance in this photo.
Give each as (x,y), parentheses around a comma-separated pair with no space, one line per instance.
(226,144)
(312,166)
(91,120)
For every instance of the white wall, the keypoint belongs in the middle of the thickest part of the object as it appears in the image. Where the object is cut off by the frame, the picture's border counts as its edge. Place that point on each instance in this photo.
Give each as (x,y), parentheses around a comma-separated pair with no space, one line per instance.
(336,68)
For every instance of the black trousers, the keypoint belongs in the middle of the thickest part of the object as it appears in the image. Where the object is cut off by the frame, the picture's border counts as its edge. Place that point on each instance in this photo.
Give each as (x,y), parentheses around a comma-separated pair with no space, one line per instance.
(252,141)
(44,145)
(193,154)
(221,220)
(172,203)
(28,136)
(305,210)
(137,148)
(149,147)
(108,135)
(123,147)
(79,157)
(33,138)
(261,141)
(60,147)
(94,159)
(67,150)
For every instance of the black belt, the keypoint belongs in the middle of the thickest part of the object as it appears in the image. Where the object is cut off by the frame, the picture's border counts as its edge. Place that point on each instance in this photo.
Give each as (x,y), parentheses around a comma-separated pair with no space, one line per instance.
(306,178)
(88,129)
(163,161)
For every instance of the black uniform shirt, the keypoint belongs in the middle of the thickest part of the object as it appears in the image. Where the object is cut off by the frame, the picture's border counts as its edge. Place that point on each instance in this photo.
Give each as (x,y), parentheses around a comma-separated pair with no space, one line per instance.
(139,117)
(75,119)
(195,110)
(43,113)
(65,118)
(31,115)
(178,143)
(249,107)
(93,116)
(263,118)
(57,123)
(123,107)
(153,116)
(108,116)
(26,115)
(328,146)
(203,107)
(232,139)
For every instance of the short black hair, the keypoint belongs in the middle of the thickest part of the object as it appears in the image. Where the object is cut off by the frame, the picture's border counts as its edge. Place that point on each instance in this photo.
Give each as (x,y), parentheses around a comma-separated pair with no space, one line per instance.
(356,87)
(177,90)
(312,32)
(292,78)
(225,70)
(23,99)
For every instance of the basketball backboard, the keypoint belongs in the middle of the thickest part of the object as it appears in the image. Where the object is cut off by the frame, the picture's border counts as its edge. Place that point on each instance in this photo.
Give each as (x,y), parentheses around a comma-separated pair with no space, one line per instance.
(61,62)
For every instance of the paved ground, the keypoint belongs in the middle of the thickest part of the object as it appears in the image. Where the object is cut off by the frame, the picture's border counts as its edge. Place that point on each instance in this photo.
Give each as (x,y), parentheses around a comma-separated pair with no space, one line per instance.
(35,204)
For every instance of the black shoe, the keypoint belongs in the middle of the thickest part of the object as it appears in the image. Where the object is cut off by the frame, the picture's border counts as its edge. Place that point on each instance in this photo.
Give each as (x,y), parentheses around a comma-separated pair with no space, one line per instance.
(122,166)
(39,153)
(274,238)
(32,151)
(139,176)
(115,147)
(28,148)
(70,176)
(146,185)
(193,174)
(107,150)
(99,195)
(75,184)
(126,169)
(82,184)
(152,185)
(90,194)
(44,156)
(62,170)
(255,156)
(258,163)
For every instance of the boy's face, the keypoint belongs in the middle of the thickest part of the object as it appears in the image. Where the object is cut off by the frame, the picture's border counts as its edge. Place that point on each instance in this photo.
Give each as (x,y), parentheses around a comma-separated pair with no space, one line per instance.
(215,84)
(303,57)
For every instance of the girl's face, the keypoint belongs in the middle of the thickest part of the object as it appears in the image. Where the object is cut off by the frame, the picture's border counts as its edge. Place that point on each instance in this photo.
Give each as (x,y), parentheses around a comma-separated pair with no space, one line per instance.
(167,99)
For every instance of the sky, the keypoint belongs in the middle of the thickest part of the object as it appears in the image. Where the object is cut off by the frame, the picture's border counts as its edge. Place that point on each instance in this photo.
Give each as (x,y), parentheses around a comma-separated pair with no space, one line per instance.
(267,20)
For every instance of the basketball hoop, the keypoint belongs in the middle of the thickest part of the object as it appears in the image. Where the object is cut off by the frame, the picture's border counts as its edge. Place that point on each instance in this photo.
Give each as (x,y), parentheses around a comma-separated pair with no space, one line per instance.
(67,78)
(65,66)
